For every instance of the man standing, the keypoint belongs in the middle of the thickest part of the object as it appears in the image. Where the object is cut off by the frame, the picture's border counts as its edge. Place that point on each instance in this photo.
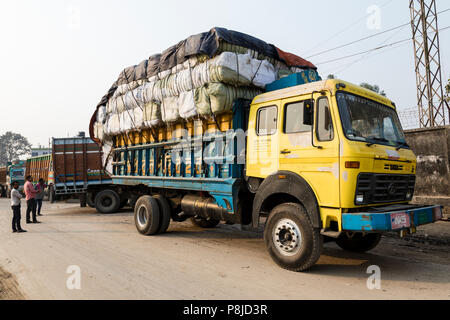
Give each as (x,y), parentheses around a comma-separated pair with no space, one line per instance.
(15,205)
(40,187)
(30,194)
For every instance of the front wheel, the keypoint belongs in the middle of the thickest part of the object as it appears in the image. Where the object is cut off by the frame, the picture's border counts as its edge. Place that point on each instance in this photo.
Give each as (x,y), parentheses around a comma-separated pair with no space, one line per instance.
(358,242)
(291,239)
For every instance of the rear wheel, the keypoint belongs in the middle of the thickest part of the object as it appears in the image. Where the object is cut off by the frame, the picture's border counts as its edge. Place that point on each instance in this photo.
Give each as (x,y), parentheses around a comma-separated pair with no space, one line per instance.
(147,215)
(107,201)
(292,241)
(90,199)
(165,213)
(208,223)
(358,242)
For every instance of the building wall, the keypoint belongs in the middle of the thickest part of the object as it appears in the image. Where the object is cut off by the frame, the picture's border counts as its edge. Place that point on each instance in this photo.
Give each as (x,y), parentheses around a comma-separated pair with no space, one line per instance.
(432,148)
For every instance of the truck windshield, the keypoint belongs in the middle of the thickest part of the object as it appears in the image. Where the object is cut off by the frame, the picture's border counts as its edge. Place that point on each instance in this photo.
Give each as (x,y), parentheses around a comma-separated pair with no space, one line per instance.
(369,121)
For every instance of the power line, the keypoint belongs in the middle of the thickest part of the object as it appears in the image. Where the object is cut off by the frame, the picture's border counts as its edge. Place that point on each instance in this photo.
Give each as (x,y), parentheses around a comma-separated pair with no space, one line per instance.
(346,28)
(368,37)
(373,49)
(370,53)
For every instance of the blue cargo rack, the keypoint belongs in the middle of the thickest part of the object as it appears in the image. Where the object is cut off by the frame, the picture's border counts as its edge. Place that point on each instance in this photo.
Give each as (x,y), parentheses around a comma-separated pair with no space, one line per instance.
(214,162)
(293,80)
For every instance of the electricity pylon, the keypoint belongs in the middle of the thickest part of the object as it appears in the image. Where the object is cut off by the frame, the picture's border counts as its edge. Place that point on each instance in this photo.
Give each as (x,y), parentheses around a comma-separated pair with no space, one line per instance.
(433,109)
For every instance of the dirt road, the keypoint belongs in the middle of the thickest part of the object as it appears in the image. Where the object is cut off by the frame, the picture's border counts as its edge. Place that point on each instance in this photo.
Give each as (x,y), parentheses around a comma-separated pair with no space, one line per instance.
(191,263)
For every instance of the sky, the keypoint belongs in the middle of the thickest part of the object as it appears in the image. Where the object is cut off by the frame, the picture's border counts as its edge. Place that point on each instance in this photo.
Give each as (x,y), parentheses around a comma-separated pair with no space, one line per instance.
(59,57)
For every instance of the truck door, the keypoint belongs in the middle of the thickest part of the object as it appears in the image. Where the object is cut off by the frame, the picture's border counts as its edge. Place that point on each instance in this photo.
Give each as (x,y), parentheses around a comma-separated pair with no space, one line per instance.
(318,164)
(263,151)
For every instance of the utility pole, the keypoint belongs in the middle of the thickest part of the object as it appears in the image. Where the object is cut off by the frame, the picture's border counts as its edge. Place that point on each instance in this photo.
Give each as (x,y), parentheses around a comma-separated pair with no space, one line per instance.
(433,109)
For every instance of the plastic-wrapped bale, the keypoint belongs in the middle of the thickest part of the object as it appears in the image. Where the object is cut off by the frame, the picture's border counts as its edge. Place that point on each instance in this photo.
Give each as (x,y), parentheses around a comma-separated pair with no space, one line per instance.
(217,98)
(124,88)
(152,114)
(112,126)
(186,105)
(101,114)
(169,110)
(99,131)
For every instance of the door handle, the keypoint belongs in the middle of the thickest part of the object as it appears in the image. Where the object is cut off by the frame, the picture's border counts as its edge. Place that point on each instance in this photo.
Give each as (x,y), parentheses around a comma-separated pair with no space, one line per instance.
(285,152)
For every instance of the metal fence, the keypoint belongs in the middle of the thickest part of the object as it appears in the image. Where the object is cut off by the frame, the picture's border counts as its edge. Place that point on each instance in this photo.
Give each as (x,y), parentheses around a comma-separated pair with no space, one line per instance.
(409,118)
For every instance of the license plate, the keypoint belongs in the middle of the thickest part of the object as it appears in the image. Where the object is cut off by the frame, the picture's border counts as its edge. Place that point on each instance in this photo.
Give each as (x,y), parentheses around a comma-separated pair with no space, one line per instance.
(400,220)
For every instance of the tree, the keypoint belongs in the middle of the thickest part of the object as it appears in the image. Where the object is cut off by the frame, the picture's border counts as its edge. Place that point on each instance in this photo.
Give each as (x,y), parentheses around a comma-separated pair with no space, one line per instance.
(12,146)
(331,76)
(374,88)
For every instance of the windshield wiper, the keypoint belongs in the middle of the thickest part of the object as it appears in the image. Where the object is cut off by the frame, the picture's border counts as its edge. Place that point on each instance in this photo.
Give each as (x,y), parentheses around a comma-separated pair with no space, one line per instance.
(402,144)
(369,144)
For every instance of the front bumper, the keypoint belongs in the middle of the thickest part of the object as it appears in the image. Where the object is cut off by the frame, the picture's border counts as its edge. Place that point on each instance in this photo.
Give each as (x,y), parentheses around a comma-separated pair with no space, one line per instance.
(393,218)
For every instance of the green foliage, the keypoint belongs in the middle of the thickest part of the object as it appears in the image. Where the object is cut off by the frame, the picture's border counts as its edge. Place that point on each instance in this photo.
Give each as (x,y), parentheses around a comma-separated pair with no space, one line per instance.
(331,76)
(12,146)
(374,88)
(447,88)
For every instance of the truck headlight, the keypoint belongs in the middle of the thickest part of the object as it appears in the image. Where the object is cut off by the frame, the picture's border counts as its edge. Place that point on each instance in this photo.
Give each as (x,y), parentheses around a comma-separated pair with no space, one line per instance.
(360,198)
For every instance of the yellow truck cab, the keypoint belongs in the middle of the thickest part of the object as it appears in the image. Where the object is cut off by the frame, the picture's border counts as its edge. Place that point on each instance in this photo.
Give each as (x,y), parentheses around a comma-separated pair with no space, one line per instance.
(329,159)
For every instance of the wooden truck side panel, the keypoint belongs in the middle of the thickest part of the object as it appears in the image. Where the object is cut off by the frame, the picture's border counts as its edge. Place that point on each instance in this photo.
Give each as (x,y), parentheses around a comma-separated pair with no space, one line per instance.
(77,163)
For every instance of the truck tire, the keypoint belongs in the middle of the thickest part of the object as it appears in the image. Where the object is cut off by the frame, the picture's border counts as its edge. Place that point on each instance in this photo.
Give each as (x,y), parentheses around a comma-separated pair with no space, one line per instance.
(90,199)
(205,223)
(292,241)
(359,242)
(83,200)
(107,201)
(147,215)
(165,213)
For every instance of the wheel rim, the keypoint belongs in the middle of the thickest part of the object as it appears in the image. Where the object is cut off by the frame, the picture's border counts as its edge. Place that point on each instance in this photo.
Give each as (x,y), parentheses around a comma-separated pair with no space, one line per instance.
(106,201)
(142,216)
(287,237)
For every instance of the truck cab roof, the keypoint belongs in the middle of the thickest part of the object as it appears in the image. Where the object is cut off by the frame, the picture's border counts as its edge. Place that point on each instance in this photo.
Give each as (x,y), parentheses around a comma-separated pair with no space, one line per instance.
(330,85)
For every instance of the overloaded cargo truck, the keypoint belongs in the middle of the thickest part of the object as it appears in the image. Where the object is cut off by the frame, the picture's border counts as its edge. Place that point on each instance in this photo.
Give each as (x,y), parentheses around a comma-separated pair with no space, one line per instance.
(14,171)
(309,160)
(74,166)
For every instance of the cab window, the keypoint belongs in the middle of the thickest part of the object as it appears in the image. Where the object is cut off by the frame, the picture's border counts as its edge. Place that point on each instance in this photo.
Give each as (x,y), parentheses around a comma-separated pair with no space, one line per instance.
(325,131)
(298,117)
(267,121)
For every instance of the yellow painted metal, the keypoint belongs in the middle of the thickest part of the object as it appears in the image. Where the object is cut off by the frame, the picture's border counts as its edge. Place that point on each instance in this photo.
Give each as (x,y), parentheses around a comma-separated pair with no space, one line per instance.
(262,150)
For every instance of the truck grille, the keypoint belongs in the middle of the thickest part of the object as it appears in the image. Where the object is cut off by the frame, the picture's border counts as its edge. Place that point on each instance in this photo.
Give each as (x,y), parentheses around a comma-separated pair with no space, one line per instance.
(384,188)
